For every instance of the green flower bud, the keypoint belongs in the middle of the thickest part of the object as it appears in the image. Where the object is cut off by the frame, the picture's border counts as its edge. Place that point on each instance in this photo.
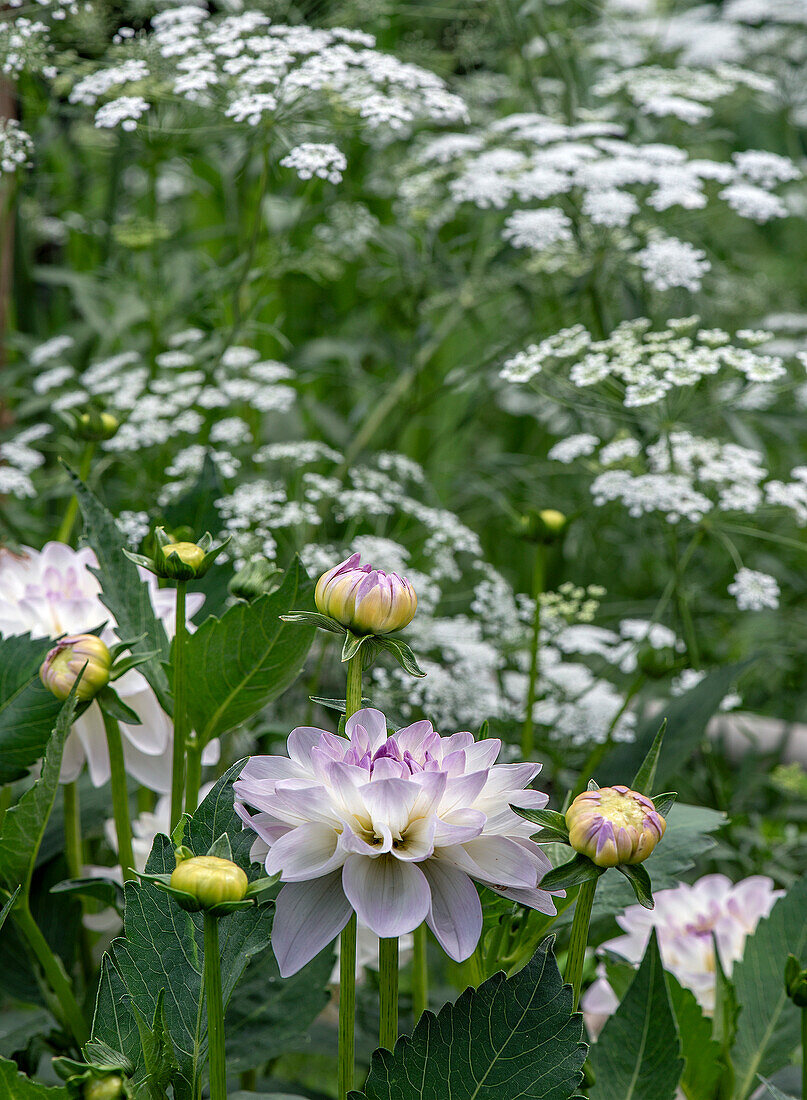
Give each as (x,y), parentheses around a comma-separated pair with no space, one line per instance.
(254,579)
(796,982)
(176,559)
(614,825)
(545,526)
(68,657)
(210,880)
(107,1088)
(95,426)
(187,552)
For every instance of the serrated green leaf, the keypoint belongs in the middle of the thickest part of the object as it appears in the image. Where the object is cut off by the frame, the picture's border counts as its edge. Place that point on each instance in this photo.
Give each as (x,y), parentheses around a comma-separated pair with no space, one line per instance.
(16,1086)
(768,1027)
(702,1068)
(27,709)
(240,662)
(24,824)
(485,1044)
(123,592)
(638,1054)
(105,890)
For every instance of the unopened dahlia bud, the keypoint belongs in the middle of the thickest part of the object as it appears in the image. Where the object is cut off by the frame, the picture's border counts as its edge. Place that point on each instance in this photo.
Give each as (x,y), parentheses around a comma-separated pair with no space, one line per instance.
(366,600)
(796,982)
(254,579)
(177,559)
(107,1088)
(614,825)
(210,880)
(545,526)
(66,660)
(95,426)
(188,553)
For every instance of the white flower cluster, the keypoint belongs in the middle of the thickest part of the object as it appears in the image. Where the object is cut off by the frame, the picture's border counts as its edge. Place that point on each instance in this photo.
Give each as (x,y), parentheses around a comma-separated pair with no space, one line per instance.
(325,161)
(646,365)
(685,94)
(754,591)
(16,147)
(24,46)
(247,68)
(590,172)
(18,459)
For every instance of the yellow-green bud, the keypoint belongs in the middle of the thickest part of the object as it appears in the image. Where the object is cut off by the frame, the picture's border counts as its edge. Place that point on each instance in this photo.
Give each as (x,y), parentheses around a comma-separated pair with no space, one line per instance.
(187,552)
(545,526)
(614,825)
(95,426)
(254,579)
(107,1088)
(553,520)
(66,660)
(210,880)
(366,600)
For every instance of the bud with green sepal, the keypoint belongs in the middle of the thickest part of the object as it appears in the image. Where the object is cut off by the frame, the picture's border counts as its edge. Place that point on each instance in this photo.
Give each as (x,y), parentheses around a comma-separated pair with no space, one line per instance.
(614,825)
(74,656)
(176,560)
(94,425)
(258,577)
(366,606)
(544,526)
(796,982)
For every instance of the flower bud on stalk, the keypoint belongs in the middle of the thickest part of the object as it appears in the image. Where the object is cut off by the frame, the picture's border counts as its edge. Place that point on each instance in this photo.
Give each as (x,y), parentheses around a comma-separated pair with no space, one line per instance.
(254,579)
(178,560)
(365,600)
(188,553)
(545,526)
(95,426)
(210,880)
(68,657)
(107,1088)
(614,825)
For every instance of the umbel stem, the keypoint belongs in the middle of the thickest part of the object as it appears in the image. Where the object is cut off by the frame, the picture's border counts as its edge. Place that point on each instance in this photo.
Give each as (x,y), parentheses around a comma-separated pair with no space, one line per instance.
(347,943)
(180,733)
(578,939)
(215,1010)
(120,796)
(388,990)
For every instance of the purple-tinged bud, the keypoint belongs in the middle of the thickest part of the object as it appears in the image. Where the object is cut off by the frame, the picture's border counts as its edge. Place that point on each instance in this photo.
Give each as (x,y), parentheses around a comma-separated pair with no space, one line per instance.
(210,880)
(614,825)
(66,660)
(366,600)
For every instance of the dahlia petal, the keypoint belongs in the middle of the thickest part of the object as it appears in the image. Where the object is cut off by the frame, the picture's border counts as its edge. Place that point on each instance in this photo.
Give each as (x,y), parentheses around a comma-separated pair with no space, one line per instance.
(458,827)
(309,851)
(373,722)
(299,744)
(390,896)
(90,729)
(390,801)
(410,737)
(455,916)
(268,769)
(308,916)
(496,859)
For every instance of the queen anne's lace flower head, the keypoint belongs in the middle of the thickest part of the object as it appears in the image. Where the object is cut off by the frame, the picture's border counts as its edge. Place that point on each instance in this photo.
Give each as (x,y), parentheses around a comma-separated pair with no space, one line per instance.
(393,827)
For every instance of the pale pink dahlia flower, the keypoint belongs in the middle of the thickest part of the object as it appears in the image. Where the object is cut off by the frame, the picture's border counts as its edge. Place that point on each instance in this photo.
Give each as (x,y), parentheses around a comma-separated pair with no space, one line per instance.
(394,828)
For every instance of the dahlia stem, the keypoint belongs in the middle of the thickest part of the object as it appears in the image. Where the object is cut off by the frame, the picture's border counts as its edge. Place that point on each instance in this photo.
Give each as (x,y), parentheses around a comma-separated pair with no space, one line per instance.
(388,990)
(120,796)
(72,831)
(527,730)
(69,518)
(178,760)
(353,694)
(54,973)
(578,940)
(420,973)
(347,943)
(347,1006)
(193,780)
(217,1062)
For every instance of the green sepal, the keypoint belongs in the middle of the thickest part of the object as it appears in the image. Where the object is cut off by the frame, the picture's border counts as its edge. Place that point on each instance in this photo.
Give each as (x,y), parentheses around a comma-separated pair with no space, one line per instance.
(178,835)
(324,622)
(143,562)
(115,707)
(643,780)
(259,887)
(402,653)
(664,802)
(547,819)
(592,785)
(578,870)
(221,848)
(353,644)
(128,663)
(548,835)
(639,879)
(119,648)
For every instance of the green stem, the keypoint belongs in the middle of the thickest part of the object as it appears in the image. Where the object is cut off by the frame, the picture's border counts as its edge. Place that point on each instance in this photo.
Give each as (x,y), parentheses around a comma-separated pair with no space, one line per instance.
(120,796)
(180,735)
(578,940)
(347,1007)
(353,694)
(388,991)
(420,973)
(66,526)
(193,780)
(527,731)
(72,831)
(54,973)
(215,1010)
(804,1052)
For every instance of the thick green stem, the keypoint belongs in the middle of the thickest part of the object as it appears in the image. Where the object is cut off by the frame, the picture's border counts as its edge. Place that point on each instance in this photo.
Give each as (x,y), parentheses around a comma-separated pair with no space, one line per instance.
(578,940)
(69,518)
(215,1011)
(347,1007)
(353,694)
(527,731)
(72,831)
(180,733)
(420,973)
(54,973)
(193,780)
(388,991)
(120,796)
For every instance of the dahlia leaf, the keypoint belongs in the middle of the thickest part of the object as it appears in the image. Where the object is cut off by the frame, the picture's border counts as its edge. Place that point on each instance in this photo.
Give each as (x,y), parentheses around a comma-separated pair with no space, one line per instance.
(27,709)
(16,1086)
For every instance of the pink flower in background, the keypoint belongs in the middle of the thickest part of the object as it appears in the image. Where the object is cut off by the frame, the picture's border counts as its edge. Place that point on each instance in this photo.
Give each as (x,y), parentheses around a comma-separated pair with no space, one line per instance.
(50,592)
(393,827)
(689,920)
